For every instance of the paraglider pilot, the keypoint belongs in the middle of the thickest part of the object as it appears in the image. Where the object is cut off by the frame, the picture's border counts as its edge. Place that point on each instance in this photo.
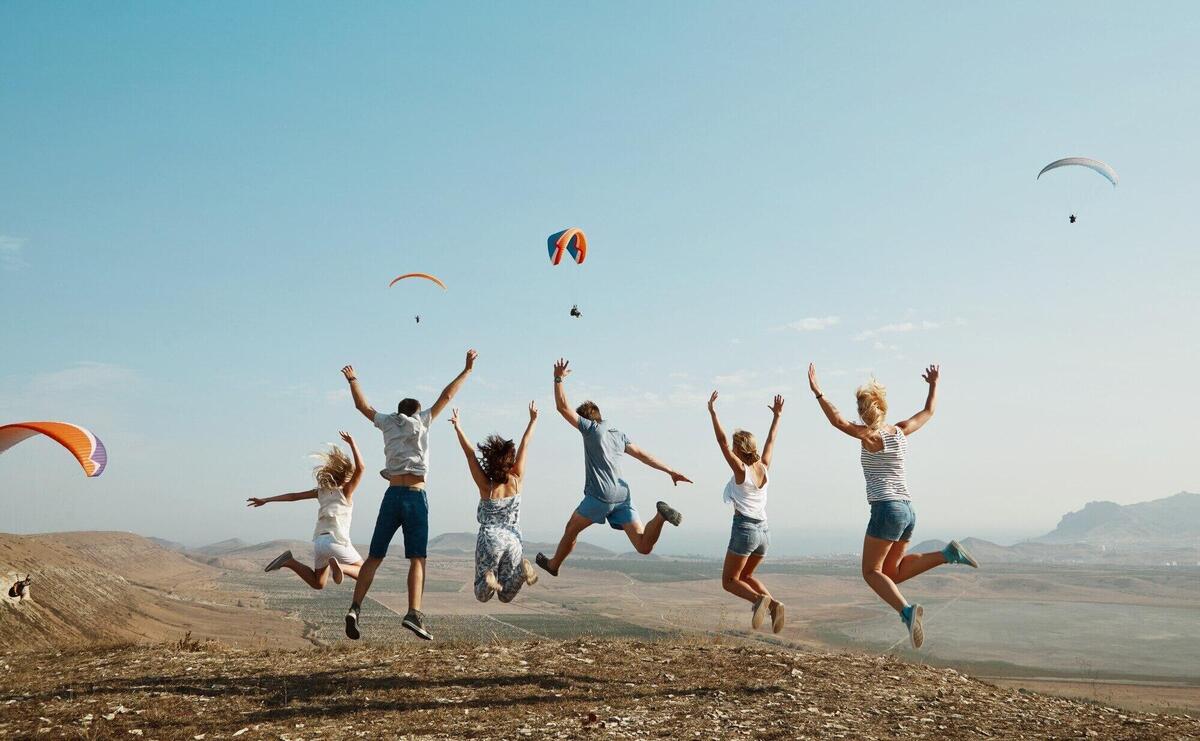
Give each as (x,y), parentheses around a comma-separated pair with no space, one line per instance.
(575,312)
(1072,218)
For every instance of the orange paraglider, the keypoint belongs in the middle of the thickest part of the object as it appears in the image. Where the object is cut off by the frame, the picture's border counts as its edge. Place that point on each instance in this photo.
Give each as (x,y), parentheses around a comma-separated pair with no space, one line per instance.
(426,276)
(82,444)
(570,240)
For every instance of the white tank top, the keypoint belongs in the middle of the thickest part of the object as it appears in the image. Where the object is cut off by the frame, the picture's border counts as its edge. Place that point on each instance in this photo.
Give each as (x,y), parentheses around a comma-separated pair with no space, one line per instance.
(884,470)
(748,498)
(334,516)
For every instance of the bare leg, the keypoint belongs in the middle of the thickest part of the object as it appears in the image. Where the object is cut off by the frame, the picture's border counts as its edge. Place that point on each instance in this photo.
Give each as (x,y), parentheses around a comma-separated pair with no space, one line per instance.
(576,525)
(875,552)
(366,574)
(731,580)
(416,582)
(315,579)
(643,539)
(748,576)
(351,569)
(900,567)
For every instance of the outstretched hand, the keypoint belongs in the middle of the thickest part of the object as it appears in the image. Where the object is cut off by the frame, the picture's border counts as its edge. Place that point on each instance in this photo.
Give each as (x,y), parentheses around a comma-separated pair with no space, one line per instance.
(346,437)
(255,502)
(348,372)
(777,407)
(677,477)
(712,401)
(813,383)
(560,368)
(930,376)
(533,412)
(454,418)
(471,355)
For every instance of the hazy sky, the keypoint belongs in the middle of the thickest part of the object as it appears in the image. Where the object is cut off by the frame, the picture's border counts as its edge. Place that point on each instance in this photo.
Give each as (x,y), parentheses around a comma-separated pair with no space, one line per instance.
(201,206)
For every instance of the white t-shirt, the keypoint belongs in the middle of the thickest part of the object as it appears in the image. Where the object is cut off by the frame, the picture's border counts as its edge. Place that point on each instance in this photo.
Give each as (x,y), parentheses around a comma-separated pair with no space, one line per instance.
(405,442)
(334,516)
(748,498)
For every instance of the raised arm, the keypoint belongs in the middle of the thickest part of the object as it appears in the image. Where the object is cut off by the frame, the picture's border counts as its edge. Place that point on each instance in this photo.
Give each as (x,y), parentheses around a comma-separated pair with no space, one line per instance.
(835,417)
(295,496)
(360,401)
(481,481)
(739,468)
(519,467)
(349,487)
(561,371)
(776,412)
(452,389)
(918,420)
(636,452)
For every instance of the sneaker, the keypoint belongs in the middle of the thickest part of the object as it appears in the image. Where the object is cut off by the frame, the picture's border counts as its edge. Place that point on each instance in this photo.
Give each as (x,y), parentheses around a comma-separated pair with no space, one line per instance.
(912,616)
(352,624)
(279,561)
(415,621)
(544,563)
(955,553)
(669,513)
(531,576)
(776,616)
(489,578)
(335,570)
(758,613)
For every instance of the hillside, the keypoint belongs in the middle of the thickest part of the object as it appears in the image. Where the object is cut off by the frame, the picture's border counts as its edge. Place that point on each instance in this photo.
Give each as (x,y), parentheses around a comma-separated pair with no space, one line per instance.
(543,689)
(106,587)
(1173,521)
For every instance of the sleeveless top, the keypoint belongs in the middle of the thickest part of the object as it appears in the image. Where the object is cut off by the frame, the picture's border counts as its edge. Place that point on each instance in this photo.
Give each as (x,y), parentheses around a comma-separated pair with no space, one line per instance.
(500,514)
(748,498)
(334,516)
(884,470)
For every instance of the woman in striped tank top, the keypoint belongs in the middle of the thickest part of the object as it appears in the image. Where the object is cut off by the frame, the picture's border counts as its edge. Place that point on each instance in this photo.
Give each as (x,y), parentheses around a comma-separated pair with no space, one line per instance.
(883,449)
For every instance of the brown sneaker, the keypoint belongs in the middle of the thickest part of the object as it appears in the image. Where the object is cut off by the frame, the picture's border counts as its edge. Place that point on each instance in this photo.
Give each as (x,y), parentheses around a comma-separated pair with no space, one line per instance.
(758,613)
(489,578)
(776,616)
(335,570)
(279,561)
(531,576)
(544,563)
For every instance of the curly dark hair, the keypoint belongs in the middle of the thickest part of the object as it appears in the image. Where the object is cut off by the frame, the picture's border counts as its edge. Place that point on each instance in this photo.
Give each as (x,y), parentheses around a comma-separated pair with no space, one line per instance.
(497,457)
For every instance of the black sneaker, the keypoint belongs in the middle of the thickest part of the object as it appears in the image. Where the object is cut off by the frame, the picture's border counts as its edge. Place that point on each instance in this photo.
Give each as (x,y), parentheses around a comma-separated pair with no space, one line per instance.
(352,624)
(544,563)
(670,514)
(415,621)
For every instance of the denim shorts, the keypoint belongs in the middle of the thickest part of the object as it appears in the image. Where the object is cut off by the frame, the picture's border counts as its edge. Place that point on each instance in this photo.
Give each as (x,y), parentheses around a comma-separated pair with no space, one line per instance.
(750,537)
(618,514)
(404,508)
(892,520)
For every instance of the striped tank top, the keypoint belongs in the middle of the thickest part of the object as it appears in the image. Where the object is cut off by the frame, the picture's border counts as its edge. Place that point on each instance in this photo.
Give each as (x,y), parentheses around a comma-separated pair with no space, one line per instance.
(884,470)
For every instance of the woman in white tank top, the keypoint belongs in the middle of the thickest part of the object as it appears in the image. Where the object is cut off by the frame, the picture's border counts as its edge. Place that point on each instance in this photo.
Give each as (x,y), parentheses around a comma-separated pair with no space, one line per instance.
(747,491)
(882,451)
(333,553)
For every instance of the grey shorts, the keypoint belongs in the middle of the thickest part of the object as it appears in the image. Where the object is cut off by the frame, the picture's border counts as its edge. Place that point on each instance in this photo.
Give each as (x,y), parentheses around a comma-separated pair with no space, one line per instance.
(750,537)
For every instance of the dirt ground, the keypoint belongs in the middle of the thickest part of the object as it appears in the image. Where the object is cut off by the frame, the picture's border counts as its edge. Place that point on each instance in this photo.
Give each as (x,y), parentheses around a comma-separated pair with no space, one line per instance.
(535,689)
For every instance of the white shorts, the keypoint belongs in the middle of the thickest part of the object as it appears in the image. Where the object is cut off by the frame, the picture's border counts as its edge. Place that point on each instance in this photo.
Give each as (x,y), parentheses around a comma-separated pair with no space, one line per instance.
(325,548)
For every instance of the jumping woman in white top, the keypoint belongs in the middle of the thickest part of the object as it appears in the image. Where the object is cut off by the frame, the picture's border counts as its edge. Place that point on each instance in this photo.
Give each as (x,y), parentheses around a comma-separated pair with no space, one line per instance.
(333,553)
(747,491)
(883,448)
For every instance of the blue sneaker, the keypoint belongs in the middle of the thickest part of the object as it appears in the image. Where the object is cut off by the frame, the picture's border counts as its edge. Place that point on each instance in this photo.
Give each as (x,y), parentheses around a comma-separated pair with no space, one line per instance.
(955,553)
(911,616)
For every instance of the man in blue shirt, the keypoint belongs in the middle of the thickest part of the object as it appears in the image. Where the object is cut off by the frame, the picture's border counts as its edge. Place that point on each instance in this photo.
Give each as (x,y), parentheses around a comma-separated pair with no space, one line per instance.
(605,494)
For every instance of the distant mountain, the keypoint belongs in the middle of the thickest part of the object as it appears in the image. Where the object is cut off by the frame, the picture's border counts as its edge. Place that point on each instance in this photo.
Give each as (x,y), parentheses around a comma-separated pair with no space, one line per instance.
(1170,522)
(222,547)
(170,545)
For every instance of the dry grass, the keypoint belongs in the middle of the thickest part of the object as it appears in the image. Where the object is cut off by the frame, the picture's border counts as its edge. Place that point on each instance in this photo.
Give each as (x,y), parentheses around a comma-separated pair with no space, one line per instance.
(540,689)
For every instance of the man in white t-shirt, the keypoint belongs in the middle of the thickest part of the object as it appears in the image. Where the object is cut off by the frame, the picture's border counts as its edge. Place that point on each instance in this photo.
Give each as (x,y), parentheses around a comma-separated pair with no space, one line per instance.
(405,505)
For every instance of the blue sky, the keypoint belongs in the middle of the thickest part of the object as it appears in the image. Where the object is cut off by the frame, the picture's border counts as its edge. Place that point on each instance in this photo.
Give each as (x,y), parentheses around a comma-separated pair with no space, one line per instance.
(201,206)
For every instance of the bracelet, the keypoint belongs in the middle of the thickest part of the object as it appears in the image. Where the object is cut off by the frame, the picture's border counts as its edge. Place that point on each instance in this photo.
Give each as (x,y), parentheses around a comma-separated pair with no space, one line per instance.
(820,396)
(558,379)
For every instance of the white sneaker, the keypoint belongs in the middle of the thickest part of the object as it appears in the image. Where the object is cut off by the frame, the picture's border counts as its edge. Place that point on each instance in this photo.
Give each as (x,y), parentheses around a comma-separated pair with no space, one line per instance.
(531,576)
(758,613)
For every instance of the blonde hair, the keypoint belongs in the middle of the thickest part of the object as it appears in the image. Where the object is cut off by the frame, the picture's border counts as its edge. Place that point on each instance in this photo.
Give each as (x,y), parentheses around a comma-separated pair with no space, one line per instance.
(334,470)
(745,446)
(872,403)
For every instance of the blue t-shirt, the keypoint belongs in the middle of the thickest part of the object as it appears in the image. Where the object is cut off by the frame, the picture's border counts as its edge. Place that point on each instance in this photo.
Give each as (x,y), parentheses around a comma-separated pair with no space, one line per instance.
(603,446)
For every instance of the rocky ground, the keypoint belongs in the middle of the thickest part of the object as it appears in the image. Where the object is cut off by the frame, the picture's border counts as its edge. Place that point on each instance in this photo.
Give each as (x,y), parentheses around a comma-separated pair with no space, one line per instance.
(536,689)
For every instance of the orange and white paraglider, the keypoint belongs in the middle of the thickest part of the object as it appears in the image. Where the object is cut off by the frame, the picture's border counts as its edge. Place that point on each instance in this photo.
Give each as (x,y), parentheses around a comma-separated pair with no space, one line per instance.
(81,443)
(572,241)
(426,276)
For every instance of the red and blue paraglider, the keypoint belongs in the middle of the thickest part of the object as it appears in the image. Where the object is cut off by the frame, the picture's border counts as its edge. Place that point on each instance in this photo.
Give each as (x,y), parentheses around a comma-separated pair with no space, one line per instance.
(572,241)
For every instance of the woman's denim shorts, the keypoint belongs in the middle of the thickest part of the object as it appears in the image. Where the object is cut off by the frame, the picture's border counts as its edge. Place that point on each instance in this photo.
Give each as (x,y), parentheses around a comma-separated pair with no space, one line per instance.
(750,537)
(892,520)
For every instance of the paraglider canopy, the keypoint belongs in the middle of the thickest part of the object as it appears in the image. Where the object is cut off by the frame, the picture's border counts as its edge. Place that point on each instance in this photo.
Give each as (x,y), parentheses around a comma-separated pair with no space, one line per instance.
(426,276)
(81,443)
(1100,167)
(570,240)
